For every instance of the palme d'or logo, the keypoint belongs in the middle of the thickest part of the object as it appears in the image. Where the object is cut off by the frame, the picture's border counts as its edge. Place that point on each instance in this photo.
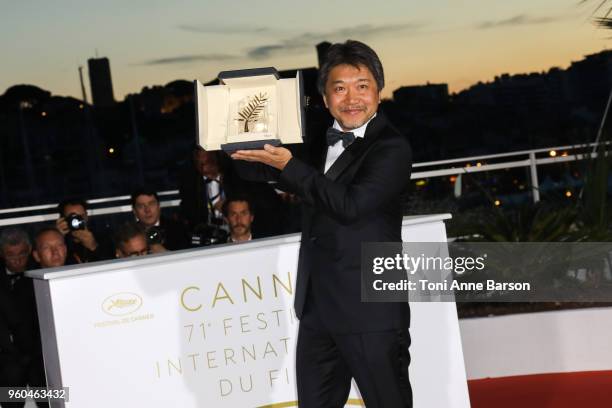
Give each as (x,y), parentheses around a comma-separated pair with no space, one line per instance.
(121,304)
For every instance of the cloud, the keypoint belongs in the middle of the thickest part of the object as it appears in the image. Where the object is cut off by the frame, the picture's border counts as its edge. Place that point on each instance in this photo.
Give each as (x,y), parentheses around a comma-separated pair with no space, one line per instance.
(518,20)
(223,29)
(291,45)
(306,41)
(190,58)
(265,51)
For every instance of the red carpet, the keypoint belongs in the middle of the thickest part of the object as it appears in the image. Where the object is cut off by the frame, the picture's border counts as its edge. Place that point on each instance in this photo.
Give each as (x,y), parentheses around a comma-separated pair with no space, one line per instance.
(590,389)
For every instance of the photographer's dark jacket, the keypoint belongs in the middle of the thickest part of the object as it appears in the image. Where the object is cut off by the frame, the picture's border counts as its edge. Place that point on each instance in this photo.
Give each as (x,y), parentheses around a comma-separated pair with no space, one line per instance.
(104,251)
(175,234)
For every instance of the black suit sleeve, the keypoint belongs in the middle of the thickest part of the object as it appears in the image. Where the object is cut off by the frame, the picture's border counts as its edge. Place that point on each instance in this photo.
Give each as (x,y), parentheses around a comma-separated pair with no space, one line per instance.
(383,174)
(255,171)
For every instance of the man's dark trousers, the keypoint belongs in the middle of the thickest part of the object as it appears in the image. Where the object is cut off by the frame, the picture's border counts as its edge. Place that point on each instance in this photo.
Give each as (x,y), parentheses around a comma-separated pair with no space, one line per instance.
(326,362)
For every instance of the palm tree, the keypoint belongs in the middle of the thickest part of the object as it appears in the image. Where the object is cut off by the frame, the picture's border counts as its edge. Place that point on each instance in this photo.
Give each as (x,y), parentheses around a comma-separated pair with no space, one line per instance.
(602,15)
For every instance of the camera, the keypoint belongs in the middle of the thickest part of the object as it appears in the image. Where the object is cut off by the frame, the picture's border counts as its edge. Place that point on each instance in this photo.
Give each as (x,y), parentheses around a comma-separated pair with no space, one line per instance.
(154,235)
(206,235)
(76,222)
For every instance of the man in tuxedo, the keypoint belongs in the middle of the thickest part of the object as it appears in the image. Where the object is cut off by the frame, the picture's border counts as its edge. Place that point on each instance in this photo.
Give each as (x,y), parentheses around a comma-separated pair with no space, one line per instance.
(205,186)
(21,361)
(351,187)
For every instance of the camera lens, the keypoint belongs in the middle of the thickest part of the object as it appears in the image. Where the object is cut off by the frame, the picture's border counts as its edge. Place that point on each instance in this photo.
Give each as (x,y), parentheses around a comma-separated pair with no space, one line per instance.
(155,236)
(206,235)
(75,222)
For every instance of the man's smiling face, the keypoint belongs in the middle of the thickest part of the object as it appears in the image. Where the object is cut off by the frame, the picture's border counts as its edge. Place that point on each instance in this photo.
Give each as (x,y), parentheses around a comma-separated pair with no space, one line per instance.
(351,95)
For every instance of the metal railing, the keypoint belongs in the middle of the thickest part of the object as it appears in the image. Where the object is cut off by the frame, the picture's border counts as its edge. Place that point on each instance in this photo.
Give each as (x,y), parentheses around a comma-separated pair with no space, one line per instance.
(98,206)
(524,158)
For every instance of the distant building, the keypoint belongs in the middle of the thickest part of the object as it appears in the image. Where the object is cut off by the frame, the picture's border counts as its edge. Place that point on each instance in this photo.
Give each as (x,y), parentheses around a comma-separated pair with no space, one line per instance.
(591,80)
(101,82)
(525,94)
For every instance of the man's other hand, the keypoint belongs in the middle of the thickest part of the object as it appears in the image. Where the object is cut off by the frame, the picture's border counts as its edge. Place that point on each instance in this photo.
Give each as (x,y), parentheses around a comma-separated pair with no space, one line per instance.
(85,238)
(277,157)
(62,226)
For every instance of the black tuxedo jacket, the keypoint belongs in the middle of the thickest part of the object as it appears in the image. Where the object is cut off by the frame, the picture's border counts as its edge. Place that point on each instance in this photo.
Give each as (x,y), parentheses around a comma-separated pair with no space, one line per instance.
(176,236)
(358,200)
(19,333)
(194,196)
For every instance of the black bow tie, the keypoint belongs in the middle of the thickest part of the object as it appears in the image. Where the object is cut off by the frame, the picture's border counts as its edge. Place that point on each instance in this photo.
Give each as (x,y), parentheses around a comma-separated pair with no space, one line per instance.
(13,279)
(333,135)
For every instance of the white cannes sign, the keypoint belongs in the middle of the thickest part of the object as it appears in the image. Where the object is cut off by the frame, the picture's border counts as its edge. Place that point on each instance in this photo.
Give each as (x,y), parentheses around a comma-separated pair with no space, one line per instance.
(206,328)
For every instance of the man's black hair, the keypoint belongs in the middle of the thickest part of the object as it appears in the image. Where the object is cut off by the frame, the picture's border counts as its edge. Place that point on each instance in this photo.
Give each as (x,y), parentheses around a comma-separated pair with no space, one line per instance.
(127,231)
(143,191)
(352,53)
(70,201)
(236,197)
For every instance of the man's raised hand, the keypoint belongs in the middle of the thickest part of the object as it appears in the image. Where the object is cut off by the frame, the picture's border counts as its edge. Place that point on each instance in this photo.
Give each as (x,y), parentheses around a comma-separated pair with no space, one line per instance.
(277,157)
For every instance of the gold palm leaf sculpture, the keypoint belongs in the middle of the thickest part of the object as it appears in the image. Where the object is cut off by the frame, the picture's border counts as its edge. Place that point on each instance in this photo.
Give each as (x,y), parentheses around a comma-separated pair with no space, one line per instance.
(253,110)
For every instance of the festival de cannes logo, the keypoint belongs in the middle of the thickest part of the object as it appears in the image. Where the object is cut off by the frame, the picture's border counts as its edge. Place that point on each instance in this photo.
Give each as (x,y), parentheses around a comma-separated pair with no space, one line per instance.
(121,304)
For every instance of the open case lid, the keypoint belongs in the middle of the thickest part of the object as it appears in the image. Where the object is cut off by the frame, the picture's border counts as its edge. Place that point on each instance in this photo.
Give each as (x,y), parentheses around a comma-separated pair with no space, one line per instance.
(232,78)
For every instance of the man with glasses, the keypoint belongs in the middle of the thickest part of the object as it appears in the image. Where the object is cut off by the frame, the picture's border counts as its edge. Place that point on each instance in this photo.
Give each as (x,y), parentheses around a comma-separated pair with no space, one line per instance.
(130,240)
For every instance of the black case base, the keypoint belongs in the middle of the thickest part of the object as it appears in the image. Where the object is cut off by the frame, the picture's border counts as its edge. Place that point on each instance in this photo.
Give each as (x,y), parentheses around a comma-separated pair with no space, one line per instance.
(252,145)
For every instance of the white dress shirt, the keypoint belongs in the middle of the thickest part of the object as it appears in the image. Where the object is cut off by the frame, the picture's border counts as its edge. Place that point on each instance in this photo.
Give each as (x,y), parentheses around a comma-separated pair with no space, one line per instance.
(231,239)
(214,194)
(333,152)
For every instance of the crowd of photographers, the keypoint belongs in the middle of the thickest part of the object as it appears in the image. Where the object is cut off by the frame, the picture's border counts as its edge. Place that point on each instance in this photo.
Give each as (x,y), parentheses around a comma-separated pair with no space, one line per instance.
(216,207)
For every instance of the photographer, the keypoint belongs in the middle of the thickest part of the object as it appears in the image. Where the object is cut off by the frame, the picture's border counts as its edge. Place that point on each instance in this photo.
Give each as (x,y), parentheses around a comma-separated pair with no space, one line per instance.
(81,242)
(160,231)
